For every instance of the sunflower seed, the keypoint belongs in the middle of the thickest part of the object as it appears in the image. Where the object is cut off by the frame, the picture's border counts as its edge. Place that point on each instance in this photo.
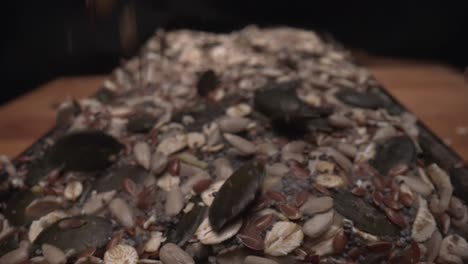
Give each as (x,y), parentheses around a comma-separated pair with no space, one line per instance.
(168,182)
(325,166)
(441,181)
(73,190)
(317,205)
(174,202)
(18,255)
(97,201)
(207,236)
(208,195)
(42,223)
(267,148)
(239,110)
(158,162)
(121,254)
(277,170)
(347,149)
(142,153)
(258,260)
(53,255)
(153,244)
(318,224)
(242,145)
(122,212)
(329,180)
(233,125)
(297,146)
(424,224)
(340,121)
(283,238)
(223,168)
(172,144)
(433,246)
(212,134)
(195,140)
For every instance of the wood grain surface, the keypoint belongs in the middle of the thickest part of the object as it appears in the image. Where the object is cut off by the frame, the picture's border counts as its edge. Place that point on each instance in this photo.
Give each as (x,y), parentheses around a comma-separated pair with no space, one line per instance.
(436,94)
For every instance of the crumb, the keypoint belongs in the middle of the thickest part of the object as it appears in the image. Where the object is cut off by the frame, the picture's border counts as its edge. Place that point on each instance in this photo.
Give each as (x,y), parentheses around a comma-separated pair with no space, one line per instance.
(462,130)
(447,141)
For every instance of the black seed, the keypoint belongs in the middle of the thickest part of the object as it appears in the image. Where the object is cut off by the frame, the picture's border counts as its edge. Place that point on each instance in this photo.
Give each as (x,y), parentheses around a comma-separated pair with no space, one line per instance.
(141,123)
(208,82)
(236,194)
(84,151)
(394,152)
(113,177)
(363,100)
(369,219)
(187,225)
(94,232)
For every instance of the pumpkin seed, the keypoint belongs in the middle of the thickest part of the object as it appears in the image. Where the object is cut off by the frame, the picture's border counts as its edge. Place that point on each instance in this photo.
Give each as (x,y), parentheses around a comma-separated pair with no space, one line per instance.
(360,99)
(15,208)
(99,149)
(287,112)
(207,82)
(396,151)
(236,194)
(94,232)
(114,177)
(141,123)
(370,219)
(187,225)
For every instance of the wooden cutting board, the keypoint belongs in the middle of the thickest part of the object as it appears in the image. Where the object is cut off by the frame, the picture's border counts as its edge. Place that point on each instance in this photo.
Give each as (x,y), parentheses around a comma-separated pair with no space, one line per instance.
(437,94)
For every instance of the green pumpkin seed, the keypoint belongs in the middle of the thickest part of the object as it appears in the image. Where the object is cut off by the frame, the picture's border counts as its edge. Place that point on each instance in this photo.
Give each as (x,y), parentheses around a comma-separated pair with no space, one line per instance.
(187,225)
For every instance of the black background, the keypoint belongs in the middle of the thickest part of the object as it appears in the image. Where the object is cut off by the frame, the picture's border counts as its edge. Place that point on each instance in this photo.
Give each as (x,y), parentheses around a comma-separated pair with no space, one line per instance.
(45,39)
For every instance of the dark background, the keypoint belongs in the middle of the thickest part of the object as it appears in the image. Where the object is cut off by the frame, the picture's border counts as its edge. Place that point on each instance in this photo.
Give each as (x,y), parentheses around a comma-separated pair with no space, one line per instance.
(45,39)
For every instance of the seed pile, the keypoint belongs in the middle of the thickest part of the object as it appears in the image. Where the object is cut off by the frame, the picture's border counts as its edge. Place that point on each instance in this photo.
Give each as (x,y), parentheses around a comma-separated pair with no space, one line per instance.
(259,146)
